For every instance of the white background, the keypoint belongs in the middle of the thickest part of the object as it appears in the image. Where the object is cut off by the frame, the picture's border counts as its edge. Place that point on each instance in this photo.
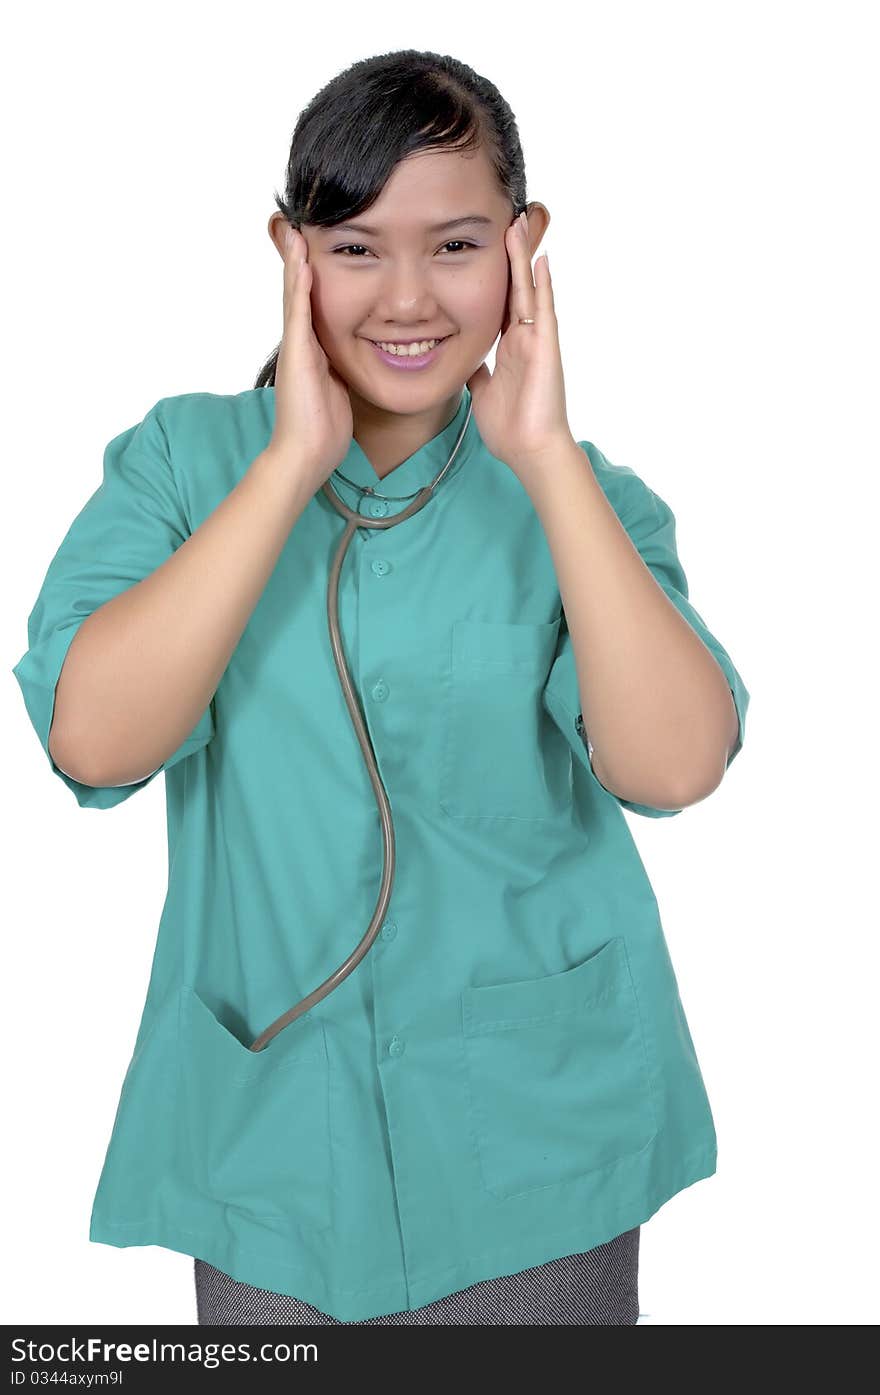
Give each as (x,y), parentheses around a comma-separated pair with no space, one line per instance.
(712,179)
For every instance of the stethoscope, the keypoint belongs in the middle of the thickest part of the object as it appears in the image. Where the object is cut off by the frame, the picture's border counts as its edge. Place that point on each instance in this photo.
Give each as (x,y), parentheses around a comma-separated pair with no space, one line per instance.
(354,521)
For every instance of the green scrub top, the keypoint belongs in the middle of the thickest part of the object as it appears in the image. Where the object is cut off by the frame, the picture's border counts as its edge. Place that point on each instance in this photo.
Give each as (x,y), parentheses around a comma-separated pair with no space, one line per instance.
(508,1076)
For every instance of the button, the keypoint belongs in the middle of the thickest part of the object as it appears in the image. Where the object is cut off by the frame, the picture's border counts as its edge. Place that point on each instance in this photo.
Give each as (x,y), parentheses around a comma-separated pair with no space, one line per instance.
(389,930)
(380,690)
(396,1047)
(380,566)
(376,508)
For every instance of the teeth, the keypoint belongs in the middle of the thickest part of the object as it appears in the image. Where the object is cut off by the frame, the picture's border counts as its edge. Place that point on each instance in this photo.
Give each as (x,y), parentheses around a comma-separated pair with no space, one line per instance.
(408,350)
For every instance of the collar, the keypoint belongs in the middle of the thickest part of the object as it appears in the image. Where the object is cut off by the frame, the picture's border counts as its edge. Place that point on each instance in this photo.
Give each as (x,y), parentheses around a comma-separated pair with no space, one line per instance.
(418,470)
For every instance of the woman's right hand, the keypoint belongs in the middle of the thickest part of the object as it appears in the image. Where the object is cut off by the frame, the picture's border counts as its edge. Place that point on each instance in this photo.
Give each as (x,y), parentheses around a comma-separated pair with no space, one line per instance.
(313,420)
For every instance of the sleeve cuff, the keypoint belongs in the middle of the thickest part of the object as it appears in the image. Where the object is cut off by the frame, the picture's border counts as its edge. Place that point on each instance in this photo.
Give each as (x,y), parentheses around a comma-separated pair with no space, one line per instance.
(37,674)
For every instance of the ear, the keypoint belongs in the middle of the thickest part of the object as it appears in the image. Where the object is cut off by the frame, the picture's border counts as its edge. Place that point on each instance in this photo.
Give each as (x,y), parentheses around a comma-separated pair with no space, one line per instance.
(276,225)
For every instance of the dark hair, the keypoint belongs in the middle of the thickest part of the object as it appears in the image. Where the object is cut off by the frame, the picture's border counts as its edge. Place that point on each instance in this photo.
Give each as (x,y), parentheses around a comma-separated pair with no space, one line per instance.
(353,133)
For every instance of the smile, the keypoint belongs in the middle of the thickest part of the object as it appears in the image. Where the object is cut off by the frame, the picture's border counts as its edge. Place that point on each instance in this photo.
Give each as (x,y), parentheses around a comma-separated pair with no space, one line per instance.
(405,358)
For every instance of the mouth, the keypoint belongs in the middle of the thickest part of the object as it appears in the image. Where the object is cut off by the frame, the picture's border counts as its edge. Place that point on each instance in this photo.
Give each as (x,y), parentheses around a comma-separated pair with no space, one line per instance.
(405,359)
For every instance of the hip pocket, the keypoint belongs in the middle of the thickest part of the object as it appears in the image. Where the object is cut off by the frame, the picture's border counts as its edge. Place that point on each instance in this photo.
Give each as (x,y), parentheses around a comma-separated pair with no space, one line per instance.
(255,1124)
(503,757)
(558,1073)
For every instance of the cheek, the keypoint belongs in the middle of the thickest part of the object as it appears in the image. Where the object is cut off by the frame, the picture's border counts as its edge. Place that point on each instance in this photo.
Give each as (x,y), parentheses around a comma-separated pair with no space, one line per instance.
(332,309)
(483,302)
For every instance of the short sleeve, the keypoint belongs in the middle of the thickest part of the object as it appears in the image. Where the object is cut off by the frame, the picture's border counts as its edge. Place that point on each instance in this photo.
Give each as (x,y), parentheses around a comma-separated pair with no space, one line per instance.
(127,528)
(650,523)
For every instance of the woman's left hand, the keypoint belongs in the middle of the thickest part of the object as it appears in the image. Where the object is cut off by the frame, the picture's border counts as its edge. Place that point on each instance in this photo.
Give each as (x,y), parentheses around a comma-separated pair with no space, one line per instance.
(520,408)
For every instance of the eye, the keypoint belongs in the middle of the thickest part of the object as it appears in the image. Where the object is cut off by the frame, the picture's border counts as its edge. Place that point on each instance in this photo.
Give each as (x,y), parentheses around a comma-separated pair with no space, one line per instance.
(359,246)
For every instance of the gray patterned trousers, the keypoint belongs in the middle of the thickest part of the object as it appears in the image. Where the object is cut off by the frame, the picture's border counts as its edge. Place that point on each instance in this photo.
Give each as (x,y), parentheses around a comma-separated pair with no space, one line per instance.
(595,1287)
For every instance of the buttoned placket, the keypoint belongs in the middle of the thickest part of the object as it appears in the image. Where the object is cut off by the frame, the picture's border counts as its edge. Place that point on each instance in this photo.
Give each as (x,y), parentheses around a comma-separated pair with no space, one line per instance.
(379,598)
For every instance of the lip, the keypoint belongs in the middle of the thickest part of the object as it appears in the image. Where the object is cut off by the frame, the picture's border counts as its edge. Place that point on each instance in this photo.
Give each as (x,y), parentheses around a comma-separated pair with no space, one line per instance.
(411,361)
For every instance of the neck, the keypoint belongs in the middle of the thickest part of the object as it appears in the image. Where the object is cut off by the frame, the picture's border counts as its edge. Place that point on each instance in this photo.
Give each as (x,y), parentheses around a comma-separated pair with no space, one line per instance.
(387,439)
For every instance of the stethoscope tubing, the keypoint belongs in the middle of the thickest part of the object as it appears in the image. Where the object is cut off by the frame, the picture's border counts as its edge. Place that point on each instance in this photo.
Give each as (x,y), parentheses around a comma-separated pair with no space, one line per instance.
(355,520)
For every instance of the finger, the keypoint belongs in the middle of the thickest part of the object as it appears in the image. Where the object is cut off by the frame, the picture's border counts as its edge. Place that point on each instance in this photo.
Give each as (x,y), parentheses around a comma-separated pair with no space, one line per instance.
(512,244)
(290,269)
(505,325)
(544,289)
(295,252)
(524,243)
(522,291)
(297,281)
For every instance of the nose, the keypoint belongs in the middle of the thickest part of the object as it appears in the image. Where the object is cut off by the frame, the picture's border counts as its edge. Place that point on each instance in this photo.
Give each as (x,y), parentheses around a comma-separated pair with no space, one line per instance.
(407,289)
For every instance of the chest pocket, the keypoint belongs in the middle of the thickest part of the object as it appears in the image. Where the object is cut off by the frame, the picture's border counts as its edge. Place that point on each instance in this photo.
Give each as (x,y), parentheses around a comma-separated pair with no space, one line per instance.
(502,756)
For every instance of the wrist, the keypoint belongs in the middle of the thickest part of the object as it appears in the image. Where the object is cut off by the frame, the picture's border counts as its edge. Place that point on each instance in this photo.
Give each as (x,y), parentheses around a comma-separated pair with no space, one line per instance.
(284,474)
(548,471)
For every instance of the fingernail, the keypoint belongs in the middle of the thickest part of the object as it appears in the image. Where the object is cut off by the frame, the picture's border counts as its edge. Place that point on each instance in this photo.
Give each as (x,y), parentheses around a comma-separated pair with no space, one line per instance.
(524,222)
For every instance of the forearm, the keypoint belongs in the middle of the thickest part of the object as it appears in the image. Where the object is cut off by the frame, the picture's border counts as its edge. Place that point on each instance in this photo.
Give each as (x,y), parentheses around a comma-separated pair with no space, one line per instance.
(656,705)
(144,666)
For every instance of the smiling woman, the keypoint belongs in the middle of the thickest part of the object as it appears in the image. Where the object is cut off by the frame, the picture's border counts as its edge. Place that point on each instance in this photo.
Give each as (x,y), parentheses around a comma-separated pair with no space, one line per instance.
(409,313)
(476,1131)
(432,150)
(429,180)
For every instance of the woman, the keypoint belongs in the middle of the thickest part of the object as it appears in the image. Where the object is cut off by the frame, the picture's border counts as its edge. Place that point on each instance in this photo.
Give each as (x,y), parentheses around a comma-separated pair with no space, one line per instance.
(473,1124)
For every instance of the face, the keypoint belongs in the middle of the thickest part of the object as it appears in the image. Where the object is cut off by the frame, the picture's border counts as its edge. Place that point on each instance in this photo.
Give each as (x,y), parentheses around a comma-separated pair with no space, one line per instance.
(411,279)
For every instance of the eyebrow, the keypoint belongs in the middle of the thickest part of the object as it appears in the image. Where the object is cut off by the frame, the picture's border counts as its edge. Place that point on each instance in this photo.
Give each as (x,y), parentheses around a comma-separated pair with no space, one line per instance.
(478,219)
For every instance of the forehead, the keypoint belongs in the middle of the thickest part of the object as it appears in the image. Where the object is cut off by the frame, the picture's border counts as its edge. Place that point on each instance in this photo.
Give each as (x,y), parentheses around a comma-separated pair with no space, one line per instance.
(432,191)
